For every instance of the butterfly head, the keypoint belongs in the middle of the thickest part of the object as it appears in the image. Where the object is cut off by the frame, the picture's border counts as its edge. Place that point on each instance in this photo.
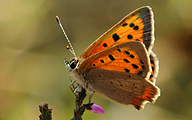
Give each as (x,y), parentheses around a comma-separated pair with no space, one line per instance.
(72,65)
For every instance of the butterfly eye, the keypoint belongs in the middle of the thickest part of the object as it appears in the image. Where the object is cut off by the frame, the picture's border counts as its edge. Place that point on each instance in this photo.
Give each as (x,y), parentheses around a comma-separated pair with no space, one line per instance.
(73,63)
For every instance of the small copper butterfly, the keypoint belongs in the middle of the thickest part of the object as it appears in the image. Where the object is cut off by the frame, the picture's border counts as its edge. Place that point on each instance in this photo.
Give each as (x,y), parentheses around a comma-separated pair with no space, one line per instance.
(120,64)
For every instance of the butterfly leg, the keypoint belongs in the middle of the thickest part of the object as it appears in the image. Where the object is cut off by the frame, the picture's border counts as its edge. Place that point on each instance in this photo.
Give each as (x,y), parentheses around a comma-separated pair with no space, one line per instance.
(72,87)
(72,82)
(78,89)
(75,90)
(91,96)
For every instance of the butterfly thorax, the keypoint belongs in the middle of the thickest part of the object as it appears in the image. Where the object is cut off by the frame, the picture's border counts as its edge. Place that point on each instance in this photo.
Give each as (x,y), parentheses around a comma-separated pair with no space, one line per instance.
(73,66)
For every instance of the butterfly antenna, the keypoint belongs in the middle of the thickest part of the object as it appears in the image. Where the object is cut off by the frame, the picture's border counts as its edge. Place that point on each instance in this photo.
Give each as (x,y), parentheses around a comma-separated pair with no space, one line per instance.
(71,50)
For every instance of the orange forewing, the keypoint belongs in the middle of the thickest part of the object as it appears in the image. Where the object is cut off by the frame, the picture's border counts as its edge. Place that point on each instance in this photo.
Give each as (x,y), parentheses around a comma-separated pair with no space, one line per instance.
(118,64)
(122,58)
(130,28)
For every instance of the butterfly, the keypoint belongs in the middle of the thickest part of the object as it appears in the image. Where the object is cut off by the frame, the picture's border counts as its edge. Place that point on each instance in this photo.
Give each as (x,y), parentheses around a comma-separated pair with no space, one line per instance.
(121,64)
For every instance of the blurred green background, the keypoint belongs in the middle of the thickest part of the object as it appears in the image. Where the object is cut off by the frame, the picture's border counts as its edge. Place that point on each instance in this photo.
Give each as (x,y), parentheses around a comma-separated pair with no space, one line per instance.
(32,48)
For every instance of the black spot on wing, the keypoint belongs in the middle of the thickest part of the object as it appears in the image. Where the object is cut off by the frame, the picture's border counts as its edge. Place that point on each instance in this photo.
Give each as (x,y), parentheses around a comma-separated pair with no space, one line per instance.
(127,61)
(132,56)
(119,50)
(131,25)
(127,70)
(135,27)
(135,66)
(125,24)
(102,61)
(105,45)
(115,37)
(126,52)
(129,36)
(111,57)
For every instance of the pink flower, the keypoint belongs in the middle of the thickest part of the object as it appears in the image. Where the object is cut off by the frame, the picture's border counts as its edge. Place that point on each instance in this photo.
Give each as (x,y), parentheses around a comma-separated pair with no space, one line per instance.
(96,109)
